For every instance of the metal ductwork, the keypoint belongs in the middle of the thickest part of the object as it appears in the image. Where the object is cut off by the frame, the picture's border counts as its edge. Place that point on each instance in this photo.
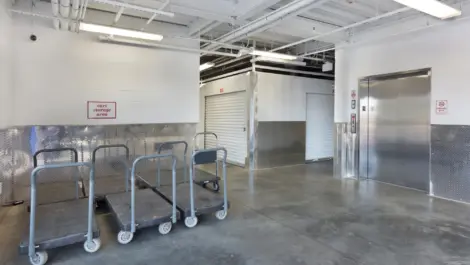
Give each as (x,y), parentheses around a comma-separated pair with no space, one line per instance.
(64,11)
(55,13)
(292,9)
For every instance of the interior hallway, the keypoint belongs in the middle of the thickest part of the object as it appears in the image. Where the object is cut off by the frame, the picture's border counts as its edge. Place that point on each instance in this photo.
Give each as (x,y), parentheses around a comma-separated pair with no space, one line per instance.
(291,215)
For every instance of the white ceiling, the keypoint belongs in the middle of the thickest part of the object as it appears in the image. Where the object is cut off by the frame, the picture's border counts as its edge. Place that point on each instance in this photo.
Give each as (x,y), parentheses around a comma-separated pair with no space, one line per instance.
(215,18)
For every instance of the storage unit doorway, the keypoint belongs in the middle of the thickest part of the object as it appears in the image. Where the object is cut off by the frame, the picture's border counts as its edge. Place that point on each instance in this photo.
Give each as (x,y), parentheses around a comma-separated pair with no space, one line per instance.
(319,127)
(225,115)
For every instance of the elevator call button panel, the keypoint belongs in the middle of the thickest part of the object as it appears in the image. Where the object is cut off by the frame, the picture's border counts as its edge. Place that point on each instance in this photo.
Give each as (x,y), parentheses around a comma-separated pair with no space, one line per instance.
(353,123)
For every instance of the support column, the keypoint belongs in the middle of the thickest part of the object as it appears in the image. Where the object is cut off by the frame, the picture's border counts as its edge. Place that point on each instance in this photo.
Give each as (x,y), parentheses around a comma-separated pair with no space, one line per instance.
(345,140)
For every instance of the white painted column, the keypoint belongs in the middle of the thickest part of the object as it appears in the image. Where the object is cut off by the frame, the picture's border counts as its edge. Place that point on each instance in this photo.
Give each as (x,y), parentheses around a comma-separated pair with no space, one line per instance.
(342,89)
(6,80)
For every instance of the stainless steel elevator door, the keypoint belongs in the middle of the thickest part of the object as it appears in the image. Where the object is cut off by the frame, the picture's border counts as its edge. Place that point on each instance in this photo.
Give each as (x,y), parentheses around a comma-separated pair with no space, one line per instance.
(398,130)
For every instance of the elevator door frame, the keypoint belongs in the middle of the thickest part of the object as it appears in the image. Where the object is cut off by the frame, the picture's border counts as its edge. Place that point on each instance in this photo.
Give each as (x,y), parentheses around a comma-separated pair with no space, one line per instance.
(363,92)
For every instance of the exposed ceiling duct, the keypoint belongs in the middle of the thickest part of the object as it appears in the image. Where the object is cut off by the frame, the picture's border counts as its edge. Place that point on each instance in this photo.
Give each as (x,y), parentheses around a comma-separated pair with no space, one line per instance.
(64,11)
(395,12)
(269,20)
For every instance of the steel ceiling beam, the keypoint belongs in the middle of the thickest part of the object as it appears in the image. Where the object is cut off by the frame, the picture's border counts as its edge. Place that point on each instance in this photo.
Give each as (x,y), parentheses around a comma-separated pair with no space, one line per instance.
(267,21)
(398,11)
(135,7)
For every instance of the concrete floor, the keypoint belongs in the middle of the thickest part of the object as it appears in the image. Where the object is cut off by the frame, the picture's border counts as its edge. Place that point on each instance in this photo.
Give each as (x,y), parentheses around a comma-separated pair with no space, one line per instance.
(292,215)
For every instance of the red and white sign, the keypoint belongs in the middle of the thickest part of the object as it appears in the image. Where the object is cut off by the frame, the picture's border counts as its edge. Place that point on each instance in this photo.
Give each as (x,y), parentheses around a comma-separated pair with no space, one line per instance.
(442,106)
(221,90)
(101,110)
(353,94)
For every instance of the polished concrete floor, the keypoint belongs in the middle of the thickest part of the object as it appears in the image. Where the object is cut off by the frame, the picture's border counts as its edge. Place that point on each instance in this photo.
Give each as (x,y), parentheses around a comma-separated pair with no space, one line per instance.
(291,215)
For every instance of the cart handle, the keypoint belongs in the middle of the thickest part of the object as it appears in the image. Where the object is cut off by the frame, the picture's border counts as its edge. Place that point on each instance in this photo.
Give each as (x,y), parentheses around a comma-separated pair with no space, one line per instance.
(126,165)
(32,215)
(172,143)
(134,166)
(93,157)
(35,156)
(205,133)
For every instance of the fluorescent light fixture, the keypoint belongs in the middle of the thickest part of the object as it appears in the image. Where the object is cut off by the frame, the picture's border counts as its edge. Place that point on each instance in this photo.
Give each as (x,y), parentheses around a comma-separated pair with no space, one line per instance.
(277,60)
(273,55)
(119,32)
(205,66)
(432,7)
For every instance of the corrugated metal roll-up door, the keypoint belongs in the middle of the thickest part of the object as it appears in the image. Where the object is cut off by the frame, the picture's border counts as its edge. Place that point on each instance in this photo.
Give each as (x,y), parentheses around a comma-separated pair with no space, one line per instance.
(320,126)
(225,116)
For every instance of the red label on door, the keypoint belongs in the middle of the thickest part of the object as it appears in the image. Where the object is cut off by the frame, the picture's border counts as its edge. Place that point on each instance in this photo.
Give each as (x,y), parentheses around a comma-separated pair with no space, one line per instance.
(221,90)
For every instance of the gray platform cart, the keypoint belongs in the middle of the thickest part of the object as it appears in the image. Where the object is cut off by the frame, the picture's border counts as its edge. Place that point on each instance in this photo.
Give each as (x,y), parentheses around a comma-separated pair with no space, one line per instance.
(143,208)
(193,200)
(115,181)
(205,178)
(55,187)
(59,224)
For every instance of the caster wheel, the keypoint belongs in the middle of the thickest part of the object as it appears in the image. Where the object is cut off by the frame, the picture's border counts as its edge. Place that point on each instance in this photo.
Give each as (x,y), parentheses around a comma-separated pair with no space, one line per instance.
(215,186)
(190,222)
(165,228)
(93,246)
(221,214)
(39,259)
(125,237)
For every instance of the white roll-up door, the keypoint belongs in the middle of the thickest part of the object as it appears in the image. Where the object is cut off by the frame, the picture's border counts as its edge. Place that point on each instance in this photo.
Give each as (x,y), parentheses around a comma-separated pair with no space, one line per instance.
(320,126)
(225,116)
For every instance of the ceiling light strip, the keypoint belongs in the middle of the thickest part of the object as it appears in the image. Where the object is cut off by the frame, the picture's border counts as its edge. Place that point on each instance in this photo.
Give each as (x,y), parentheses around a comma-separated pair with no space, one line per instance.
(432,7)
(119,32)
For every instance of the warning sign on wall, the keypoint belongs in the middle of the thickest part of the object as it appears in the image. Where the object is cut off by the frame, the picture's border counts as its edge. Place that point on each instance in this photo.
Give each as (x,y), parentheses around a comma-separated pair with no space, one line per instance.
(101,109)
(442,106)
(353,94)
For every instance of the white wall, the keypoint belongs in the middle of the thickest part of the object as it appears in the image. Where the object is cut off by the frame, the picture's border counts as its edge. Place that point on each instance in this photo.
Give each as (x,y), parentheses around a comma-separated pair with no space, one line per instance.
(56,75)
(445,49)
(6,85)
(283,98)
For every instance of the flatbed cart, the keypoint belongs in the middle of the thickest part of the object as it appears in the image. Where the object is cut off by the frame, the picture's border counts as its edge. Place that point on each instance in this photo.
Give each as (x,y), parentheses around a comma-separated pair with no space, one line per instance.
(116,182)
(143,208)
(55,187)
(193,200)
(204,178)
(59,224)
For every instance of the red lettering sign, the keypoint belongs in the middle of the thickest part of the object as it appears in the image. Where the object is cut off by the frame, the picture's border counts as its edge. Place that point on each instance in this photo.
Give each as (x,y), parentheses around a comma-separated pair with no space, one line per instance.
(101,110)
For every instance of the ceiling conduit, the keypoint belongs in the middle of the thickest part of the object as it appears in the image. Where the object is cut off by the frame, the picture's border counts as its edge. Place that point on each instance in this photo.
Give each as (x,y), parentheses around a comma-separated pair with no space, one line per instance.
(55,13)
(74,15)
(369,20)
(292,9)
(64,11)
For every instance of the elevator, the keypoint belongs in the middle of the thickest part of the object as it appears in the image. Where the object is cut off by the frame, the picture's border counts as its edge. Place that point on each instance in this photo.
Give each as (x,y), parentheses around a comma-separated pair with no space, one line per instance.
(394,128)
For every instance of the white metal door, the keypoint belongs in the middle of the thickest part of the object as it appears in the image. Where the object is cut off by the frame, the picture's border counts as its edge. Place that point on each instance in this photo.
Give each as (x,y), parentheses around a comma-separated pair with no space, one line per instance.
(320,126)
(225,116)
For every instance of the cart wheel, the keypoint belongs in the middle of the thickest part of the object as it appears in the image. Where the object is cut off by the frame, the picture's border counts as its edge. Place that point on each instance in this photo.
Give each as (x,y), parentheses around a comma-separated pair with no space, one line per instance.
(190,221)
(93,246)
(221,214)
(215,186)
(165,228)
(124,237)
(39,259)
